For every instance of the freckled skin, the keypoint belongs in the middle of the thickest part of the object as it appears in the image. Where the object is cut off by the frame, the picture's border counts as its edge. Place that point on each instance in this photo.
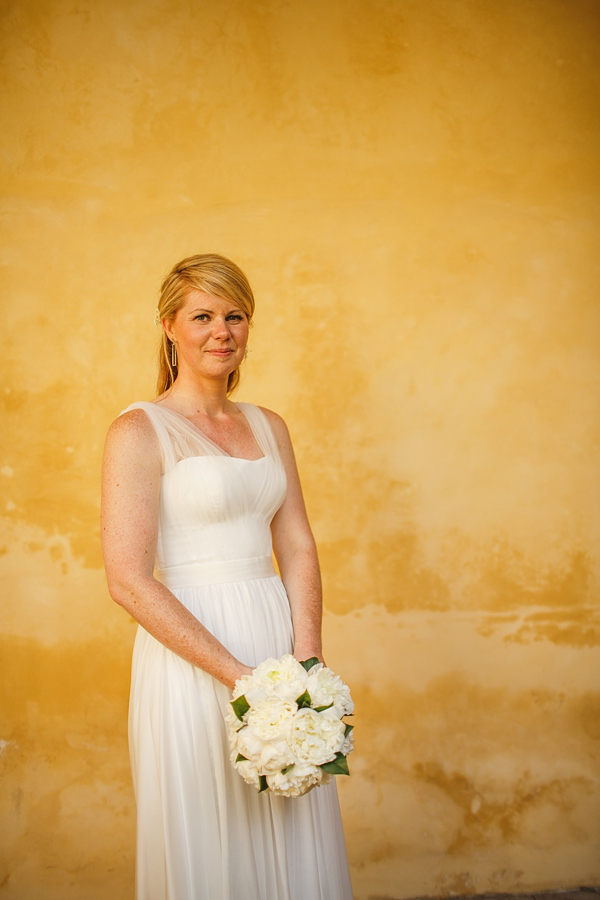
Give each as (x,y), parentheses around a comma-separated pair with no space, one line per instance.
(211,337)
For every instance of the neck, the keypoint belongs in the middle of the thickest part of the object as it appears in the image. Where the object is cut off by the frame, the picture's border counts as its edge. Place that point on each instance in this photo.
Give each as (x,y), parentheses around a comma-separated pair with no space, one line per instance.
(191,395)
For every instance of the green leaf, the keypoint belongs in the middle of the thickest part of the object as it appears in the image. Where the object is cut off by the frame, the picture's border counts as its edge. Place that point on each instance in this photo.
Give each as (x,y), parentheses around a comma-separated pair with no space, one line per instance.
(337,766)
(303,700)
(287,769)
(239,757)
(348,729)
(309,663)
(321,708)
(262,780)
(240,706)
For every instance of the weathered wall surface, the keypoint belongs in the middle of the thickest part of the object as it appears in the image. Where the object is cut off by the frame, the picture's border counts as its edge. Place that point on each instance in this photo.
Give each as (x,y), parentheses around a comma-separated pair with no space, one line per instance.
(413,189)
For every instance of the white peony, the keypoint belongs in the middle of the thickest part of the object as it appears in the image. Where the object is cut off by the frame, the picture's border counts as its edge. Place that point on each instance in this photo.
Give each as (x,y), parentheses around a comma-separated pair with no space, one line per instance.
(246,743)
(267,756)
(298,781)
(325,687)
(284,678)
(348,744)
(233,723)
(315,737)
(249,772)
(243,684)
(275,757)
(246,685)
(270,719)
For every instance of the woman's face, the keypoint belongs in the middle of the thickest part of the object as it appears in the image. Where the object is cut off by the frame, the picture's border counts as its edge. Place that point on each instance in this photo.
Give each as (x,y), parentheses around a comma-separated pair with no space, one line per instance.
(210,335)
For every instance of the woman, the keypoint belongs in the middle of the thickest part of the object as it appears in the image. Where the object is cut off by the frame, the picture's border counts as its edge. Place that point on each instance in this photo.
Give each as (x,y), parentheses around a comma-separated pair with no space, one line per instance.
(197,491)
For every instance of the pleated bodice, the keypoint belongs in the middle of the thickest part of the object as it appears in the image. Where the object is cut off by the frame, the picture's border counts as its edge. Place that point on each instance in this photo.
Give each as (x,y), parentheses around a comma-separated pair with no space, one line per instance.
(214,508)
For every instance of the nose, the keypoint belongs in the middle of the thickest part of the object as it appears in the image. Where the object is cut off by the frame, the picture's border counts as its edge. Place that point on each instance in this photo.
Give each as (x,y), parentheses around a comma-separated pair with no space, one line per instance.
(220,329)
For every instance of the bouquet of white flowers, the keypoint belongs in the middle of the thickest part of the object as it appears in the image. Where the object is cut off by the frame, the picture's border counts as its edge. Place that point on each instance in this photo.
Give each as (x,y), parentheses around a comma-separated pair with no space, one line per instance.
(285,726)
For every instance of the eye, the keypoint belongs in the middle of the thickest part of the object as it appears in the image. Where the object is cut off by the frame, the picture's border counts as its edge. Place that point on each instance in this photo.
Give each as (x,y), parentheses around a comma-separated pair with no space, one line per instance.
(235,317)
(201,317)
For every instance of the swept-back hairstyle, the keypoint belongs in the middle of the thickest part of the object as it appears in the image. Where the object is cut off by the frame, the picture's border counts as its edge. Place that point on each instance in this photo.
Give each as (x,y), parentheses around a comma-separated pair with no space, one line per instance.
(207,272)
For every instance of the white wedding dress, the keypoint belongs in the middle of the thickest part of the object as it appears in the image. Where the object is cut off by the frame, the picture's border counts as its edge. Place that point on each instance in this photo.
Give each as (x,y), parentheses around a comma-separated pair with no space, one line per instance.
(202,832)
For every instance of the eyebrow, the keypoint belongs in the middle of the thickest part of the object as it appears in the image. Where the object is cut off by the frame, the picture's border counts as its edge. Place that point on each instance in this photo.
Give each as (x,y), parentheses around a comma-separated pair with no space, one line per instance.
(204,309)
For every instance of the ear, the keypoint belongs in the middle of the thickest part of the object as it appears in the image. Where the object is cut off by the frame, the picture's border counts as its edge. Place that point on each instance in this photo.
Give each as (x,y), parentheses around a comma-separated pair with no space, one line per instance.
(168,327)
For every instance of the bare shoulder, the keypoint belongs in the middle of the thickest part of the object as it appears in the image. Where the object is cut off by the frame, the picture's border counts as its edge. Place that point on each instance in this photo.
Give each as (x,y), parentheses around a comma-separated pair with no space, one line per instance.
(133,433)
(132,425)
(280,429)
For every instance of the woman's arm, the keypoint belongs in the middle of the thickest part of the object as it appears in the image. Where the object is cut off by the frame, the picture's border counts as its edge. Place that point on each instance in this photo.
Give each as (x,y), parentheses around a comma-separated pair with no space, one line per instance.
(296,553)
(130,495)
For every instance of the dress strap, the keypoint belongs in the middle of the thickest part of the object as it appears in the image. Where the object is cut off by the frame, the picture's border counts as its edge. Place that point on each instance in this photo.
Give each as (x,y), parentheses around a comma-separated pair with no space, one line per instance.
(261,428)
(167,452)
(177,437)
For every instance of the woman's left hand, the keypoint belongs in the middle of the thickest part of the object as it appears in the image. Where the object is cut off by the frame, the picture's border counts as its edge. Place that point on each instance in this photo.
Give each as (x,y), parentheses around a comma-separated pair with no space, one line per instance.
(302,655)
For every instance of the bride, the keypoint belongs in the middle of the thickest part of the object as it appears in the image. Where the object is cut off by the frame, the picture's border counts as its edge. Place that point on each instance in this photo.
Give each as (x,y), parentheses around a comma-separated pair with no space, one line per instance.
(197,493)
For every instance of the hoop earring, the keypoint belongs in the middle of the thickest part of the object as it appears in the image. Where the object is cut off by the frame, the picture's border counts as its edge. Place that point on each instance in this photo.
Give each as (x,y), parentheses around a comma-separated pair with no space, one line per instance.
(173,354)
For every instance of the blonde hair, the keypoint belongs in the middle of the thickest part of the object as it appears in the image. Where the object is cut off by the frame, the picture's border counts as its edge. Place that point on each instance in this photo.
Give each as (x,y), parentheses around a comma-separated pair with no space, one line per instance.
(207,272)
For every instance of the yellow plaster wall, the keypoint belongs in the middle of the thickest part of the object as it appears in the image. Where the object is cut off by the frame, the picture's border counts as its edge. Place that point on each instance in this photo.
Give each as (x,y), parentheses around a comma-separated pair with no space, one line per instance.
(412,187)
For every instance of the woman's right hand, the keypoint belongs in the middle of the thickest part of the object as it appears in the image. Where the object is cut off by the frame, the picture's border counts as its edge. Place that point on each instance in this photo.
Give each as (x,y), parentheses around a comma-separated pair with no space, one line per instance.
(243,670)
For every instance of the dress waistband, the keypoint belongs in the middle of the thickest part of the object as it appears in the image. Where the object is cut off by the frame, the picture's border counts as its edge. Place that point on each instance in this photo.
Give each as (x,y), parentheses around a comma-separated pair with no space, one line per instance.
(225,570)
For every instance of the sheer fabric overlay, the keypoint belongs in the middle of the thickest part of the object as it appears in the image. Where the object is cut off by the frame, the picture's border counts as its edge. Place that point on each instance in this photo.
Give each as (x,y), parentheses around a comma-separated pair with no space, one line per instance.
(202,832)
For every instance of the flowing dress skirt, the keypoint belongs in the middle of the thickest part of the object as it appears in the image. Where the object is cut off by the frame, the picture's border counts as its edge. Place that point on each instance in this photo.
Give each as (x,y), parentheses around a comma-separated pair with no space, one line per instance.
(203,833)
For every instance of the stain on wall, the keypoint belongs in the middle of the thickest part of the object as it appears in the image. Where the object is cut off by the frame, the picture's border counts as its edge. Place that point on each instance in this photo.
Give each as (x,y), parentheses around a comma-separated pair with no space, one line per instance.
(412,188)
